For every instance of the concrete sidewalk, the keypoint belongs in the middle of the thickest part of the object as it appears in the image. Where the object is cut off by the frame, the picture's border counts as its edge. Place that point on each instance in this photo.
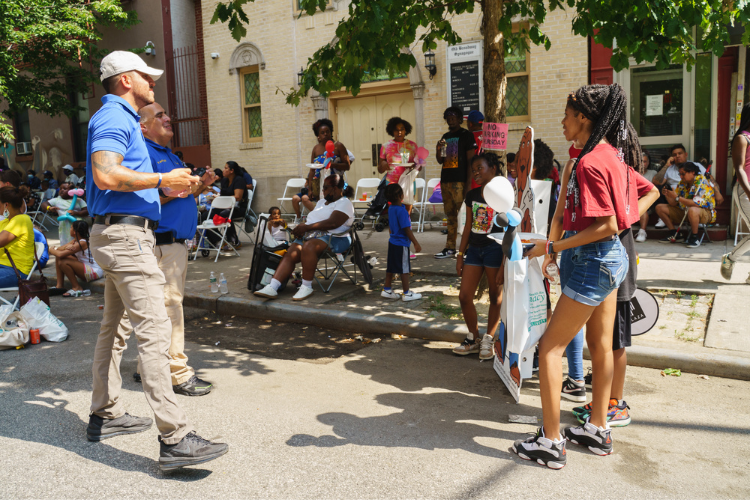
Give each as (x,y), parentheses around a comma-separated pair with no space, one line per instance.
(349,307)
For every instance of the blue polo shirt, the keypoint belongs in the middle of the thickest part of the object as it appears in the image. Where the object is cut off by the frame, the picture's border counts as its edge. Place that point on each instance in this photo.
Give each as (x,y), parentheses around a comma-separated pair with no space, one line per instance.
(179,216)
(115,128)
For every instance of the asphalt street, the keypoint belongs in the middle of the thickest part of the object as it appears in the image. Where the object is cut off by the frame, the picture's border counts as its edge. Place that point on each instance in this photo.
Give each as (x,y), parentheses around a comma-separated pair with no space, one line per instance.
(312,416)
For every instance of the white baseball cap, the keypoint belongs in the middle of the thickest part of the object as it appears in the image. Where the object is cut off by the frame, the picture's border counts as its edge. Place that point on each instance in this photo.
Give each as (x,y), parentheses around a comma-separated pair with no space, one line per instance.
(121,61)
(68,167)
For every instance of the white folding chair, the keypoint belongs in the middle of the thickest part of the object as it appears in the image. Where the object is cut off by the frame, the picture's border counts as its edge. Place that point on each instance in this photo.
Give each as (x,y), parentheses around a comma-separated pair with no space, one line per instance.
(419,198)
(292,187)
(362,184)
(39,246)
(738,227)
(431,185)
(37,214)
(219,203)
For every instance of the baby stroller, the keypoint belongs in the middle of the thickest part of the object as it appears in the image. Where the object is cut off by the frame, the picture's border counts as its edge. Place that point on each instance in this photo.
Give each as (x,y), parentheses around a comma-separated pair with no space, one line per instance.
(267,254)
(378,210)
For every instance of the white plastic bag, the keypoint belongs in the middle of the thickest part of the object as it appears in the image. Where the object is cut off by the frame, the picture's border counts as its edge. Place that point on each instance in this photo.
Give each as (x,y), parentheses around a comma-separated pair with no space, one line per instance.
(37,315)
(537,312)
(13,337)
(515,306)
(406,181)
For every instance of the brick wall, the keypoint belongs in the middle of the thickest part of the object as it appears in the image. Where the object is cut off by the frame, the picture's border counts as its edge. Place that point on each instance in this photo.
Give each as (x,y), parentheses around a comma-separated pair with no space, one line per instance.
(288,40)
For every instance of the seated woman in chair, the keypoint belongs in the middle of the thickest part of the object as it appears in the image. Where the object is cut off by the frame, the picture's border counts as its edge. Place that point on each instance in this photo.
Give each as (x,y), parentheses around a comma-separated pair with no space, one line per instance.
(16,236)
(332,215)
(232,184)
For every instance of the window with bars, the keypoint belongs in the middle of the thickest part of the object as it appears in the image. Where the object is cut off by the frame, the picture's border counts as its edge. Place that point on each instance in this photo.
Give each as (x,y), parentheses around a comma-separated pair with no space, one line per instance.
(517,90)
(252,123)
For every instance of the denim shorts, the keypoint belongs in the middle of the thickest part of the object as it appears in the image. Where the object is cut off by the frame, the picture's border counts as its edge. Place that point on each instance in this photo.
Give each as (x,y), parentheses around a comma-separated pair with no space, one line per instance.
(589,273)
(339,244)
(490,256)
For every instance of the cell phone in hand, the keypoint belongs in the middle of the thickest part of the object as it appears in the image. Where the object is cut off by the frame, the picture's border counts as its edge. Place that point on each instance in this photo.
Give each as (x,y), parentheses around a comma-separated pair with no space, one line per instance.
(199,171)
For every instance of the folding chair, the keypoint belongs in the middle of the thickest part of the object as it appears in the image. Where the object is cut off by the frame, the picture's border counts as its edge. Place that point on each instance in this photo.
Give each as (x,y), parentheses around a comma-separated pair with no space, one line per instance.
(362,184)
(334,263)
(738,227)
(219,203)
(36,214)
(240,220)
(431,185)
(419,198)
(292,187)
(39,247)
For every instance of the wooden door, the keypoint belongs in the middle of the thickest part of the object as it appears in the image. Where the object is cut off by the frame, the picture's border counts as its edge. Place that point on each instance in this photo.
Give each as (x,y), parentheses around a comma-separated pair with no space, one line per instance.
(361,128)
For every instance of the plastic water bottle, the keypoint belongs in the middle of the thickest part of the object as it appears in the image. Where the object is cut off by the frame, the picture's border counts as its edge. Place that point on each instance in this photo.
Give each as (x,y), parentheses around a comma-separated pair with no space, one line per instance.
(213,283)
(223,287)
(554,273)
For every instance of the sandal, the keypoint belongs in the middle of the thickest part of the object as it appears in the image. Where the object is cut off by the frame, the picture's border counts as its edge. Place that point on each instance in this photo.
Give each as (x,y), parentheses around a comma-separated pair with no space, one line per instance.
(77,293)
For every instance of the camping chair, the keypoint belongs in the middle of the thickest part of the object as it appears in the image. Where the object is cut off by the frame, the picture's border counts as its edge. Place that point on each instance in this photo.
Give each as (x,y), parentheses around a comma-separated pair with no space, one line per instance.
(431,185)
(39,248)
(334,263)
(219,203)
(242,219)
(292,187)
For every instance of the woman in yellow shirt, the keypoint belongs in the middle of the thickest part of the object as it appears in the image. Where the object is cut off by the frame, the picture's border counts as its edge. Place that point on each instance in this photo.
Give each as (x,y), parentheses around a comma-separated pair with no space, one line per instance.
(16,236)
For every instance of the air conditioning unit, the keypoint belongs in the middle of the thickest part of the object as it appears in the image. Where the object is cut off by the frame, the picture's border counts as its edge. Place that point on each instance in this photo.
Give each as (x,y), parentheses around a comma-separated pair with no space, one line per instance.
(23,148)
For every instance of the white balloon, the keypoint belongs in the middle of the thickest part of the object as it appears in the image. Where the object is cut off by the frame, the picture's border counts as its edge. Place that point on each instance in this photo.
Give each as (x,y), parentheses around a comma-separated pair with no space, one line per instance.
(499,194)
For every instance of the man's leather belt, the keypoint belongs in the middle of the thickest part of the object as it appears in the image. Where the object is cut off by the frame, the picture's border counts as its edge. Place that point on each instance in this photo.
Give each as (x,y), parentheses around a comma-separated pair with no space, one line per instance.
(130,220)
(168,238)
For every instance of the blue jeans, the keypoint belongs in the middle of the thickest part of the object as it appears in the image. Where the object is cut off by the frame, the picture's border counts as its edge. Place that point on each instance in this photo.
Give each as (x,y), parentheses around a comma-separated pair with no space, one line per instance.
(8,278)
(574,351)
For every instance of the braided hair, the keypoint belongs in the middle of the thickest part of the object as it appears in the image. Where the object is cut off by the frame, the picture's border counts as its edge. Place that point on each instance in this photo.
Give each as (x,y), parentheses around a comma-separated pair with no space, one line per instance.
(607,107)
(81,228)
(491,159)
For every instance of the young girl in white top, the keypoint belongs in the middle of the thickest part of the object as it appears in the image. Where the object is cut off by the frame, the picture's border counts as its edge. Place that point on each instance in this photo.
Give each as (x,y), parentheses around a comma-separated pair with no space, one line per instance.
(74,261)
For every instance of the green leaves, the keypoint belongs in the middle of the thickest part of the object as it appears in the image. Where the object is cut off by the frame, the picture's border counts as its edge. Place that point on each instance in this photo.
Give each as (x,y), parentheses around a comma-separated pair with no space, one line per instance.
(51,52)
(371,39)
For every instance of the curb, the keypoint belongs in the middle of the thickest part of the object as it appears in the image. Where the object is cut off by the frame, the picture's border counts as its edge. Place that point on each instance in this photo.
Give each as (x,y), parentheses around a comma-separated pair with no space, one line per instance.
(715,365)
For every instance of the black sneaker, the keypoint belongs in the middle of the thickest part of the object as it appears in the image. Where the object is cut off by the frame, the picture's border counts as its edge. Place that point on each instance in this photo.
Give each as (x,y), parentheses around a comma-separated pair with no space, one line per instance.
(191,450)
(668,239)
(445,253)
(137,377)
(596,439)
(543,450)
(193,387)
(104,428)
(573,391)
(693,241)
(587,379)
(444,231)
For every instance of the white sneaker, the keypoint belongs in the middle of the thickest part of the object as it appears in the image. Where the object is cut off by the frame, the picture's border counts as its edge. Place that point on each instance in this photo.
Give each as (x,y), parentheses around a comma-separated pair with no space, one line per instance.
(641,237)
(411,296)
(267,292)
(303,293)
(660,224)
(486,350)
(389,294)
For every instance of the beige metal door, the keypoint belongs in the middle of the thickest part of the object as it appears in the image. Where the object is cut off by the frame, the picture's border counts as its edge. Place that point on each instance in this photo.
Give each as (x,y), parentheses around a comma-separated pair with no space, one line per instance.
(361,128)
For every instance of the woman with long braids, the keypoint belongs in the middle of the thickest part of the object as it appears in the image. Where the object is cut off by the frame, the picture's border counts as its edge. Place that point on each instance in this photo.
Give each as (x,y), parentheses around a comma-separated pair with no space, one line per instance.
(741,190)
(74,261)
(600,200)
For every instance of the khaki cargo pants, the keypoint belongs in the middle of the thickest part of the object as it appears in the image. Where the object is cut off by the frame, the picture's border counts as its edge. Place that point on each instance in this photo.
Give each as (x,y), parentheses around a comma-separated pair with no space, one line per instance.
(453,196)
(173,260)
(134,284)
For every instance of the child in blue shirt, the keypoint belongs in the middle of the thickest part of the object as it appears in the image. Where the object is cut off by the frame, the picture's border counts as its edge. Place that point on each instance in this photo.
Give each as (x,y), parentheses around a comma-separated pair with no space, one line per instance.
(398,244)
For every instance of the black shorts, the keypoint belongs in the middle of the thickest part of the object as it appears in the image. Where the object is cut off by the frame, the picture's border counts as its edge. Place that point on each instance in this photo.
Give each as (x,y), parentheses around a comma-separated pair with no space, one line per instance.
(398,259)
(621,333)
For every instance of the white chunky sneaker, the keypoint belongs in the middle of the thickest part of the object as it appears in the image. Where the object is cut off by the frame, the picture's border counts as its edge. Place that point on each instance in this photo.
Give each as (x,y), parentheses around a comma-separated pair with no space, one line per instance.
(303,293)
(267,292)
(486,350)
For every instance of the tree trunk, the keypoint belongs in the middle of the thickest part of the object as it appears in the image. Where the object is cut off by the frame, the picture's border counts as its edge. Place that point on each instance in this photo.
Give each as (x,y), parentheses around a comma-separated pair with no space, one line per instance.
(494,82)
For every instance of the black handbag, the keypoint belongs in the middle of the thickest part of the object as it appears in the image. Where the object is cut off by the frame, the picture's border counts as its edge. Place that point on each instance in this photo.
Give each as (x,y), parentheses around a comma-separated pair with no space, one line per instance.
(30,288)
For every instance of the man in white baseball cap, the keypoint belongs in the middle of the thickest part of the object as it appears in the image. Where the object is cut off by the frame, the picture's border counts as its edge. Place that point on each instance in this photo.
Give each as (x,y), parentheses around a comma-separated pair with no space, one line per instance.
(122,61)
(70,175)
(122,196)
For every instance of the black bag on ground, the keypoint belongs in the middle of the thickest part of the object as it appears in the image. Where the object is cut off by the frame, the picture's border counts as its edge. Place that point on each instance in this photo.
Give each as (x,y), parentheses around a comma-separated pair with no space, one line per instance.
(265,261)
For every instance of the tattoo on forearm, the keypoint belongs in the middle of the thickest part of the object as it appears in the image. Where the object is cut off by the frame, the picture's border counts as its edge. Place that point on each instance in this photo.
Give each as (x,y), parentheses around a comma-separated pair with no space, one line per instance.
(119,178)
